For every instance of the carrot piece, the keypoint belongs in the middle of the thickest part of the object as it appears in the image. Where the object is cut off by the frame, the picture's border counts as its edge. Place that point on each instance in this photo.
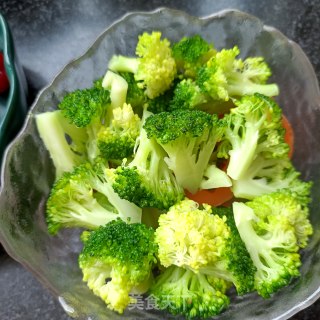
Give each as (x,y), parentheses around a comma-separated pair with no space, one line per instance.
(289,135)
(213,197)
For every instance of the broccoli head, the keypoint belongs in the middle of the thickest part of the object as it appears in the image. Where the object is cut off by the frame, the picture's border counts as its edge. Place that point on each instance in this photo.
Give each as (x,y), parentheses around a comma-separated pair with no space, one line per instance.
(116,258)
(253,128)
(154,69)
(147,180)
(162,102)
(187,95)
(117,141)
(285,207)
(83,107)
(191,53)
(206,241)
(74,200)
(224,77)
(271,242)
(189,138)
(88,109)
(189,236)
(193,295)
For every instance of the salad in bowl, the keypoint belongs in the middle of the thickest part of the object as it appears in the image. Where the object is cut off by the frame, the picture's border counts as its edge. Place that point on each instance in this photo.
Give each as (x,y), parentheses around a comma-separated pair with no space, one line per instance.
(171,177)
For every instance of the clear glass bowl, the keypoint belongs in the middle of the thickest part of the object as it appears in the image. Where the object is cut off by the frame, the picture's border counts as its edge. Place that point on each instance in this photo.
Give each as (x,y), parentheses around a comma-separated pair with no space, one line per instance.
(28,173)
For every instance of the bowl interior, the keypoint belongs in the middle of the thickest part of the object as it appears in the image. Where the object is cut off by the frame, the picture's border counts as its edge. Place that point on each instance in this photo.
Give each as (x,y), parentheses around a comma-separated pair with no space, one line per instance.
(28,173)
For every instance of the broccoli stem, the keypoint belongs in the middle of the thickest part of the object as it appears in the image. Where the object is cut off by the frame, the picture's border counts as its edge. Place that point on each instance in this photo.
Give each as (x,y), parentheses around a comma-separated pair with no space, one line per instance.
(243,148)
(120,63)
(118,87)
(189,169)
(53,135)
(241,88)
(90,216)
(215,178)
(251,188)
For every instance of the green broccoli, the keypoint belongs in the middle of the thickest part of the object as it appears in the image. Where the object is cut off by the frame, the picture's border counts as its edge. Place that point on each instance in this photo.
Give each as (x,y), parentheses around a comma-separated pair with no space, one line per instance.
(87,108)
(160,103)
(286,207)
(206,241)
(187,95)
(65,142)
(115,259)
(147,180)
(269,233)
(189,138)
(83,107)
(73,200)
(155,69)
(270,175)
(253,128)
(191,53)
(224,76)
(193,295)
(117,141)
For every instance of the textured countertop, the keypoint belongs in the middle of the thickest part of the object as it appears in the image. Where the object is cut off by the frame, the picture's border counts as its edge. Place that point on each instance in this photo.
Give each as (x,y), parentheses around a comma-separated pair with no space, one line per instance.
(50,33)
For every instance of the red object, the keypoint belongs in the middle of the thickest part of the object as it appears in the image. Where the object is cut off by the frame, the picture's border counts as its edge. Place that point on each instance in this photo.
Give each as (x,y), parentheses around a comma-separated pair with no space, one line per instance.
(4,82)
(289,135)
(213,197)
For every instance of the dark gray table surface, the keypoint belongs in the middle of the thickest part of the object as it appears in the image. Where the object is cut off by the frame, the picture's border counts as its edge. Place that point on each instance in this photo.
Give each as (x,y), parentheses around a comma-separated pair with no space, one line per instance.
(50,33)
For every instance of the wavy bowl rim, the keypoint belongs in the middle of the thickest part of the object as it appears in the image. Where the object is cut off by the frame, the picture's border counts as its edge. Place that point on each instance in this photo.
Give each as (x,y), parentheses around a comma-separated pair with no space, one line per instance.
(221,13)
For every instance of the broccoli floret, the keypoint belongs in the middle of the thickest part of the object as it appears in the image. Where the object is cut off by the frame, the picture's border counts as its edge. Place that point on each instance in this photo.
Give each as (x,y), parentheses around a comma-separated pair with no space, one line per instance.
(271,242)
(285,207)
(116,258)
(162,102)
(187,95)
(224,76)
(155,69)
(191,53)
(269,175)
(98,83)
(65,142)
(189,236)
(135,95)
(147,180)
(117,140)
(87,108)
(253,128)
(206,242)
(188,137)
(73,202)
(193,295)
(83,107)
